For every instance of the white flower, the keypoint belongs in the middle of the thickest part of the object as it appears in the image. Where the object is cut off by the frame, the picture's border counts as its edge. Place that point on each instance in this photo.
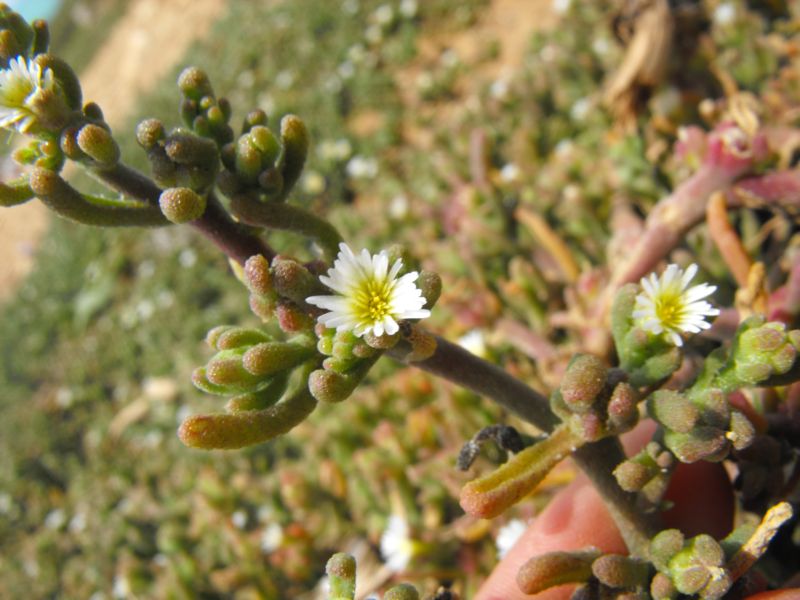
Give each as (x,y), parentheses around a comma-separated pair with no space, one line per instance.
(369,295)
(474,342)
(724,14)
(360,167)
(397,548)
(508,535)
(669,306)
(21,83)
(271,538)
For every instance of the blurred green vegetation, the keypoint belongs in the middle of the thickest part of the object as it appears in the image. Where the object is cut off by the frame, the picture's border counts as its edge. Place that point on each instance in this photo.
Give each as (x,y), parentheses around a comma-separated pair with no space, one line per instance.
(98,498)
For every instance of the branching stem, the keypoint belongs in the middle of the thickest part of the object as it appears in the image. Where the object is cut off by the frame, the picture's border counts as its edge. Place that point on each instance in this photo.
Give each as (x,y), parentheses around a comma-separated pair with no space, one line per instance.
(236,241)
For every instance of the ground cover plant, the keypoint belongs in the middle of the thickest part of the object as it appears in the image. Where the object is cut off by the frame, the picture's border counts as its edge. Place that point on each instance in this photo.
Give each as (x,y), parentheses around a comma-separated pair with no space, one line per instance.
(577,241)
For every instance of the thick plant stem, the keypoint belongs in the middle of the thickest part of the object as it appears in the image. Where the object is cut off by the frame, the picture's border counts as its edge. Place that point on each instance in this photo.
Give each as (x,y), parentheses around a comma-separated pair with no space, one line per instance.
(598,460)
(236,241)
(454,363)
(64,200)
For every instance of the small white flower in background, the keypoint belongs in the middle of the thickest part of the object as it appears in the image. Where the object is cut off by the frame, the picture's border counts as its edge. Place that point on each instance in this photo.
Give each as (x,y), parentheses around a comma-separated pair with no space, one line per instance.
(383,15)
(122,587)
(397,547)
(21,83)
(580,109)
(668,306)
(509,173)
(508,535)
(239,519)
(313,183)
(408,8)
(398,207)
(361,167)
(724,14)
(271,538)
(473,341)
(499,88)
(55,519)
(285,79)
(561,6)
(369,294)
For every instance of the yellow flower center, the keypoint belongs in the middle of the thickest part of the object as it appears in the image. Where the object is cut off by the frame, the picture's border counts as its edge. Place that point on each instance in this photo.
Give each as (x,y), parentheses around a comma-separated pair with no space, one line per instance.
(669,310)
(372,300)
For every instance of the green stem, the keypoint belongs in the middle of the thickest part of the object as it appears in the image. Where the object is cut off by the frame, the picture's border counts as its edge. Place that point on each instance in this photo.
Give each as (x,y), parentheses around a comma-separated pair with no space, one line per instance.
(236,241)
(62,198)
(278,215)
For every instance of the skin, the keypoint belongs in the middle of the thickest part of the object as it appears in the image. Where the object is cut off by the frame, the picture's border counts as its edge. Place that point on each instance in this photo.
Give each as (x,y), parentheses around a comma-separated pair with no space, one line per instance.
(577,518)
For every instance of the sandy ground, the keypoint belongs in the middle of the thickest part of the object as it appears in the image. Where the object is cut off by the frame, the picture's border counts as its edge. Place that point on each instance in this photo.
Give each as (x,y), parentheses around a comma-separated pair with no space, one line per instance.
(145,43)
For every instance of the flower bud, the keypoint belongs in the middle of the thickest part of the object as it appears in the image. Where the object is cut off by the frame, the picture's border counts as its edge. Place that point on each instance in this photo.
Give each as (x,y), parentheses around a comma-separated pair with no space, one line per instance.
(292,319)
(189,149)
(248,160)
(697,568)
(701,443)
(664,546)
(583,382)
(268,358)
(93,112)
(41,37)
(97,143)
(430,284)
(149,132)
(194,83)
(763,350)
(403,591)
(181,205)
(253,118)
(330,386)
(237,337)
(17,35)
(266,143)
(294,281)
(341,571)
(673,410)
(260,399)
(617,571)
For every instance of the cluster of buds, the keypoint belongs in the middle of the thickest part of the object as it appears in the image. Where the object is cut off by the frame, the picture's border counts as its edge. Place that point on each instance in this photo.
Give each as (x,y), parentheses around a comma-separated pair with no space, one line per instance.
(693,566)
(595,401)
(700,424)
(254,370)
(698,567)
(647,472)
(261,165)
(763,353)
(349,358)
